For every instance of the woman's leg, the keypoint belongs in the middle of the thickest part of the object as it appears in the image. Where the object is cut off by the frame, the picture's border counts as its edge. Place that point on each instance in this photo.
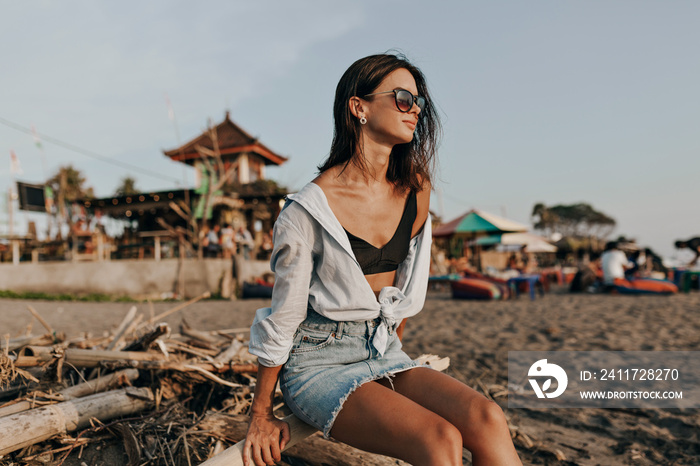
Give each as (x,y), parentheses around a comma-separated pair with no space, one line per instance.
(377,419)
(481,422)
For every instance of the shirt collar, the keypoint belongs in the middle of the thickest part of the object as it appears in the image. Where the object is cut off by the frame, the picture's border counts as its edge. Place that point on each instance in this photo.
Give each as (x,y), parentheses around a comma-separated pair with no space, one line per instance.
(312,198)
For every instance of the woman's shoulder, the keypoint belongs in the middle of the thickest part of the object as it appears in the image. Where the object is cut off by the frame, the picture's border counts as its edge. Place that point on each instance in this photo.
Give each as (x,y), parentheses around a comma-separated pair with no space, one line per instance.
(422,201)
(295,213)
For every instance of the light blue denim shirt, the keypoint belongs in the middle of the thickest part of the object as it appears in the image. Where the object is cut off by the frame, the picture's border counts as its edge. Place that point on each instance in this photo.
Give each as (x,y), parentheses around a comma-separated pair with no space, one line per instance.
(315,267)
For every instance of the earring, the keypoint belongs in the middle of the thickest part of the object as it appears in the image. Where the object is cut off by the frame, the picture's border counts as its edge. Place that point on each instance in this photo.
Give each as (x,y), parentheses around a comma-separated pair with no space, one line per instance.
(363,120)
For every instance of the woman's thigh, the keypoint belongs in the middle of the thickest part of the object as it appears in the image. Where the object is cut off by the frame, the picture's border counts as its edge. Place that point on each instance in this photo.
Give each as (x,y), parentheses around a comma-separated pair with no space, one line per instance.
(465,408)
(377,419)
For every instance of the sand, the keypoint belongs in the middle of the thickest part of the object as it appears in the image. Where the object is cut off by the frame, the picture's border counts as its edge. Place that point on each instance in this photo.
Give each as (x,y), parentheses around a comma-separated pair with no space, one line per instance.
(477,336)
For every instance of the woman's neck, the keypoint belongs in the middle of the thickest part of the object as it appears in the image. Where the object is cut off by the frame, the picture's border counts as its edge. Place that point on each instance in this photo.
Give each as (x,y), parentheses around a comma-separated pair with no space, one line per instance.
(375,157)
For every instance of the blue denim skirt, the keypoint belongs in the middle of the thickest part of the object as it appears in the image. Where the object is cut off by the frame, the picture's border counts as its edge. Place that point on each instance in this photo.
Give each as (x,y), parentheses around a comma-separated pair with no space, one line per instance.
(329,360)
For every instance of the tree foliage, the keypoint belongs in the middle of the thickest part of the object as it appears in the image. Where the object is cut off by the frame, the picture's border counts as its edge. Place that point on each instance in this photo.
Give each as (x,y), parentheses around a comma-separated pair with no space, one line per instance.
(580,220)
(73,185)
(127,187)
(264,187)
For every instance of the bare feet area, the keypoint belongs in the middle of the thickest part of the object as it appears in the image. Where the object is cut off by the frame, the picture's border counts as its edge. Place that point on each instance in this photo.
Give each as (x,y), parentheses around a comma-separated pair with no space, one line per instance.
(476,336)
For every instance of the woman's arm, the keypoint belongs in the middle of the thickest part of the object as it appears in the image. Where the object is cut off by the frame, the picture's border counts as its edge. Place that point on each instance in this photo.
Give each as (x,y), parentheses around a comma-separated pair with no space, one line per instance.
(399,329)
(267,436)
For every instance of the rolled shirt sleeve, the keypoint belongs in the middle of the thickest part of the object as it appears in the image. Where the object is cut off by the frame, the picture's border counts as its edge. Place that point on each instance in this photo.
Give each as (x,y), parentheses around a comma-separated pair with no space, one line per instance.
(274,327)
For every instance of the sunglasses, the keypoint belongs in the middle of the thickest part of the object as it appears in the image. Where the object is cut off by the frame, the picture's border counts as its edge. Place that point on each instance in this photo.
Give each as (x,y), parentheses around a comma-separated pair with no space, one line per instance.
(404,99)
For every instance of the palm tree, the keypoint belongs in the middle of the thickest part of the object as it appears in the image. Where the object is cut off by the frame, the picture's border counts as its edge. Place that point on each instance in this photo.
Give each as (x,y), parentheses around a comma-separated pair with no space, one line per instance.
(69,183)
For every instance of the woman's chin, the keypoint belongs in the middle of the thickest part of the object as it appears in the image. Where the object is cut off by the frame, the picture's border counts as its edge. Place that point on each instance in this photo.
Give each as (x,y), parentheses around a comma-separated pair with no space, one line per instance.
(405,138)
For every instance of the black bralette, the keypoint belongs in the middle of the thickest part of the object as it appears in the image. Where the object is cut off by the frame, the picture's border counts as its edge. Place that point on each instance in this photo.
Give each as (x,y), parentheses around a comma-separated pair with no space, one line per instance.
(387,258)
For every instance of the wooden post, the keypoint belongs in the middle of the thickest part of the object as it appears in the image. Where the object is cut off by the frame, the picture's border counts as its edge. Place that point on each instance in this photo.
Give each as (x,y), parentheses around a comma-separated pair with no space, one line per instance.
(100,247)
(15,251)
(36,425)
(156,240)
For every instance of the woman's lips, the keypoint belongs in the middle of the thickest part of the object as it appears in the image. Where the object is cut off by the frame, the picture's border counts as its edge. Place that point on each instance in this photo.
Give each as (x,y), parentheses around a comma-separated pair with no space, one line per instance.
(410,123)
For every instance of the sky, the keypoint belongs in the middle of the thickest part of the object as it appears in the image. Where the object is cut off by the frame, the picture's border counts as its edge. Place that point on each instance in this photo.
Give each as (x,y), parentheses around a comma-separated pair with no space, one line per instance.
(541,101)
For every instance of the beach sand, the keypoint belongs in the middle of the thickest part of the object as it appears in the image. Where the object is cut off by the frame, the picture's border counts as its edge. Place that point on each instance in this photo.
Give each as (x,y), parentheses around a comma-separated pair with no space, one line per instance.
(476,336)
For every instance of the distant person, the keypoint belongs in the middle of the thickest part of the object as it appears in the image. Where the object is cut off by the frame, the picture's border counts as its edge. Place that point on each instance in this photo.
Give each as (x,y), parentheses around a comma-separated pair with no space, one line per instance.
(654,263)
(513,262)
(694,245)
(588,276)
(614,262)
(228,243)
(637,260)
(266,247)
(245,242)
(213,247)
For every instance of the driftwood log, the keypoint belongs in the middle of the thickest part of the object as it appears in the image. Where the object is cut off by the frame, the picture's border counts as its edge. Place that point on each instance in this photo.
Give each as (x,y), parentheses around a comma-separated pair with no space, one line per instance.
(76,391)
(233,456)
(313,450)
(36,425)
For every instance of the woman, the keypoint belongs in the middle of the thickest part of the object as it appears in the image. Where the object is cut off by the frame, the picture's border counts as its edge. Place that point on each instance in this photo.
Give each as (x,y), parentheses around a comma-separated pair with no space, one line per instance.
(351,258)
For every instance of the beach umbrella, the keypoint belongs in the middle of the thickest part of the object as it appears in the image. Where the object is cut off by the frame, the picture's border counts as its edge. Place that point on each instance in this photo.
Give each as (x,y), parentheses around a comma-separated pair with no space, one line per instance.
(532,243)
(475,223)
(470,226)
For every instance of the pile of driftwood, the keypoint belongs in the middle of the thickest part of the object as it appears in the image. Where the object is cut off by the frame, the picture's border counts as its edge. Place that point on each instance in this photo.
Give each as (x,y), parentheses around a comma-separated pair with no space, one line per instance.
(142,393)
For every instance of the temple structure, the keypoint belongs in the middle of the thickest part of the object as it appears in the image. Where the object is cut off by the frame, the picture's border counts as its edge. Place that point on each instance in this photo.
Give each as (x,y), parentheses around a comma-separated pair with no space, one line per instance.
(247,199)
(238,149)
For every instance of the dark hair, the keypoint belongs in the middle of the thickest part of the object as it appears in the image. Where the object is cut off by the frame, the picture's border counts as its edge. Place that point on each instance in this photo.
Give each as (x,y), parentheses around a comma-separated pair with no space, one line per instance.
(610,245)
(680,244)
(409,161)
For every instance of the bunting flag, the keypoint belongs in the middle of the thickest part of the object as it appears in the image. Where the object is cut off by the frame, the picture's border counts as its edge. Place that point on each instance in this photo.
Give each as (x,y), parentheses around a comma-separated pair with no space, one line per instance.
(15,167)
(35,135)
(171,112)
(48,199)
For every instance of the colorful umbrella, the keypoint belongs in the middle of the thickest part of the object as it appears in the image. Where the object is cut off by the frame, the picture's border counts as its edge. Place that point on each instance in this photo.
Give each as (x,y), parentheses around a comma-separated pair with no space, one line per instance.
(532,243)
(476,222)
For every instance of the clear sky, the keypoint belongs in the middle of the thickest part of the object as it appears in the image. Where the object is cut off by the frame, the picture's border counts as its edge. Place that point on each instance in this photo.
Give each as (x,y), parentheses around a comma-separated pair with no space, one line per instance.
(542,101)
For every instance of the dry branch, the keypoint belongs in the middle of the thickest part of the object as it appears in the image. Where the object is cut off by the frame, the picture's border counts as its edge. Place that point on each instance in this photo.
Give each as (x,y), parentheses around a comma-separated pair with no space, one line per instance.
(40,319)
(76,391)
(165,314)
(36,425)
(17,343)
(31,356)
(143,343)
(121,330)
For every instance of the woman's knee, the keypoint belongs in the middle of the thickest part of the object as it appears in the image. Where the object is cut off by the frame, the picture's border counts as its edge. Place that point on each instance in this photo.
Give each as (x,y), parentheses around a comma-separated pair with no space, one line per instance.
(487,418)
(443,444)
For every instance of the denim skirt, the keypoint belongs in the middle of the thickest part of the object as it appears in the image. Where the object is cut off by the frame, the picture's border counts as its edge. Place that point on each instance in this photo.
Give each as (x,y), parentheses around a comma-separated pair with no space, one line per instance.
(329,360)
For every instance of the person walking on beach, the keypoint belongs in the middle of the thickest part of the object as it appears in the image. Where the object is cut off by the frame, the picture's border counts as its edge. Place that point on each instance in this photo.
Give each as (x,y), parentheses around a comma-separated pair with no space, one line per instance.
(351,259)
(694,245)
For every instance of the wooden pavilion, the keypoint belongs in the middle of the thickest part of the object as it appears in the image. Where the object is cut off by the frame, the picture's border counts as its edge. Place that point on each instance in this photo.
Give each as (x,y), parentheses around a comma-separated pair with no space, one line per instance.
(245,153)
(248,199)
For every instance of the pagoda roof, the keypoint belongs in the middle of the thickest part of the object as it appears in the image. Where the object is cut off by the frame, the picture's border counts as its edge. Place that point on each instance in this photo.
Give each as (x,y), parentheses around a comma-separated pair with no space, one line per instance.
(232,140)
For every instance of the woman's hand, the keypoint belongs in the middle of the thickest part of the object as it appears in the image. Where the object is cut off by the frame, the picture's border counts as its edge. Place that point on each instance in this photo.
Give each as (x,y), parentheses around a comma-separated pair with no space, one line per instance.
(266,438)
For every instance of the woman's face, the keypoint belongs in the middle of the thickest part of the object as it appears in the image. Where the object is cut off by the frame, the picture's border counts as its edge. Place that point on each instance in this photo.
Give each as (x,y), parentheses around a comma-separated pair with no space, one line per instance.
(385,122)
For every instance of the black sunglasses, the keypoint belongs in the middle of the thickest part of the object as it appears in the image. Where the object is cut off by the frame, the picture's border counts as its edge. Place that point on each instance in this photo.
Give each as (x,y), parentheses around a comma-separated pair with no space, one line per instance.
(404,99)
